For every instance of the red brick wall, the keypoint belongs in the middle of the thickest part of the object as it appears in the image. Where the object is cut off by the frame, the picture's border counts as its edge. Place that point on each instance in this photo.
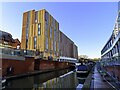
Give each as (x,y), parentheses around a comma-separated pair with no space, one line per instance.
(48,65)
(62,65)
(27,65)
(20,66)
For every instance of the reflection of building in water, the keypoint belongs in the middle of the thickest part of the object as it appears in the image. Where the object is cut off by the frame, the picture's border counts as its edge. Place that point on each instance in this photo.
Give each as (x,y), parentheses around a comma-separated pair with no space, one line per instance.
(68,80)
(6,41)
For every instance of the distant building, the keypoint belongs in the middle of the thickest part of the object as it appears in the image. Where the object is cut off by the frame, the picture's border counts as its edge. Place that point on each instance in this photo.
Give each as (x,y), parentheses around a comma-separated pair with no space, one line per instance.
(40,32)
(6,41)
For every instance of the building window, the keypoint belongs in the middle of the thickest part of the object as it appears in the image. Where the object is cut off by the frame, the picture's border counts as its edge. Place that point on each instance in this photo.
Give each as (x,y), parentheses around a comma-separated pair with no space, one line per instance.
(39,29)
(27,28)
(46,30)
(55,46)
(36,16)
(55,34)
(46,17)
(35,42)
(53,23)
(50,32)
(51,45)
(116,48)
(47,43)
(58,46)
(26,43)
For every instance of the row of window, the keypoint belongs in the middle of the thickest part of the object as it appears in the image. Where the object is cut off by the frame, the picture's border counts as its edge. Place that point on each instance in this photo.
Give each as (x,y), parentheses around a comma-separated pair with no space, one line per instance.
(27,28)
(115,33)
(53,43)
(107,46)
(115,49)
(39,30)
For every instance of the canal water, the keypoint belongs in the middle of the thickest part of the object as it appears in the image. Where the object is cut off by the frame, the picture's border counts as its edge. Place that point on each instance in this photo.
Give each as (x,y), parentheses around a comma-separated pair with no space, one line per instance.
(57,79)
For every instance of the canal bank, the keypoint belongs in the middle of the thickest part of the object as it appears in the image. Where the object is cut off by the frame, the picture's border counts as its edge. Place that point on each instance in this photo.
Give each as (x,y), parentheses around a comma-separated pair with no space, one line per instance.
(34,73)
(62,78)
(96,81)
(17,66)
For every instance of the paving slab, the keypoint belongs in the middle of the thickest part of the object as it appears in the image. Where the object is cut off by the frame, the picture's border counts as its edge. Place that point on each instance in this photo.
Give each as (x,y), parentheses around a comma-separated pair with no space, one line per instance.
(99,82)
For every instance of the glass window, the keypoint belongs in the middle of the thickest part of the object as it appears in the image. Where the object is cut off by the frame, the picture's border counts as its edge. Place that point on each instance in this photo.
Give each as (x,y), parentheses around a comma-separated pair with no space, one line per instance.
(55,46)
(52,45)
(27,28)
(50,32)
(46,30)
(46,42)
(26,43)
(54,24)
(55,36)
(58,46)
(36,16)
(35,42)
(39,29)
(46,17)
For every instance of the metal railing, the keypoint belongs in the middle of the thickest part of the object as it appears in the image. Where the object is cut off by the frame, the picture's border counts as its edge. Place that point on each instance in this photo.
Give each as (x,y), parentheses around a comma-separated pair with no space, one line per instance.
(111,66)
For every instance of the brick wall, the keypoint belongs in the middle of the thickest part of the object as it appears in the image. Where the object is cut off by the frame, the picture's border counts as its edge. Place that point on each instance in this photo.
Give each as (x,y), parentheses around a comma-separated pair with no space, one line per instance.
(28,65)
(20,66)
(49,65)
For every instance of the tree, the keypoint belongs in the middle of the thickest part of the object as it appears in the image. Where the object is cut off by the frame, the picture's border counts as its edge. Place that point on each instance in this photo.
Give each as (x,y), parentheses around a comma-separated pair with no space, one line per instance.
(83,56)
(96,59)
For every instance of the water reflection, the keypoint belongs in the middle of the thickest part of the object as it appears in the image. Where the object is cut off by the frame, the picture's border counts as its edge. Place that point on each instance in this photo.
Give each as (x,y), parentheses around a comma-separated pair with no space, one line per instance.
(58,79)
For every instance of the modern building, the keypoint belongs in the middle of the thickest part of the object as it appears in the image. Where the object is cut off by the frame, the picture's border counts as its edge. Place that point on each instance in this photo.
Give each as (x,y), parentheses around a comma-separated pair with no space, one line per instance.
(40,32)
(112,47)
(110,54)
(6,41)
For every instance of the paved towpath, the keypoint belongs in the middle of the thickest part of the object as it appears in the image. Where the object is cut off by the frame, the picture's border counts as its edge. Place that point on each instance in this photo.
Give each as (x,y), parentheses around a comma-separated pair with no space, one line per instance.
(100,83)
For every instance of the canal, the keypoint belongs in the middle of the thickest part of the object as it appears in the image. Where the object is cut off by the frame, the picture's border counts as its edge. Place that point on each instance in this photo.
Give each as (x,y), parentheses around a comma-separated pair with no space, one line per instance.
(57,79)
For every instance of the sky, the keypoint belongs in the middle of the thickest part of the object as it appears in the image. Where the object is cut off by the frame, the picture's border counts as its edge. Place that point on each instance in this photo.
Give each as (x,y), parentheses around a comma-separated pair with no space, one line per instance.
(88,24)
